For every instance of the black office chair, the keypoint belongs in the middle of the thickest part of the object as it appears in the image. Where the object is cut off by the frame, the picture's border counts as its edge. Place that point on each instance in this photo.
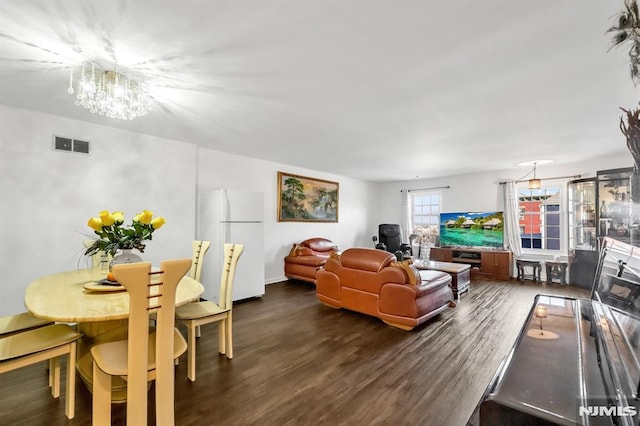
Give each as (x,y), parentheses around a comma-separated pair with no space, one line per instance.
(390,237)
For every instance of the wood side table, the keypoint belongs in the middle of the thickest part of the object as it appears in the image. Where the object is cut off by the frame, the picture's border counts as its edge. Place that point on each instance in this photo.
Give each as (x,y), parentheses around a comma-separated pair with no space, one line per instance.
(556,270)
(535,269)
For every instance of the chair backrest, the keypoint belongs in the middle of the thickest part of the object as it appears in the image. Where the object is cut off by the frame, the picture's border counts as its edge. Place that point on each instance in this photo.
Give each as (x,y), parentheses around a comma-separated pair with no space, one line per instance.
(199,250)
(147,295)
(391,236)
(232,253)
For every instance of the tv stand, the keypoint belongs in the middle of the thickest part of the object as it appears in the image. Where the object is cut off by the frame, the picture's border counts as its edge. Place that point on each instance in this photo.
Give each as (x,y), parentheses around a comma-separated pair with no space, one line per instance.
(485,263)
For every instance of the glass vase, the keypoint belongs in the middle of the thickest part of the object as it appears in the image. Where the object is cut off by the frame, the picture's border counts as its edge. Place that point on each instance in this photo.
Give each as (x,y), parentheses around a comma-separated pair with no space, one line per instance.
(125,256)
(425,250)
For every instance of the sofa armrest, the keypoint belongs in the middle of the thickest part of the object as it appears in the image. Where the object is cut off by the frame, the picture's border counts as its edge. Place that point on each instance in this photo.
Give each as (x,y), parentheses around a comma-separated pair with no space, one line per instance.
(328,288)
(314,261)
(293,250)
(427,287)
(304,251)
(333,265)
(407,300)
(413,276)
(299,250)
(399,299)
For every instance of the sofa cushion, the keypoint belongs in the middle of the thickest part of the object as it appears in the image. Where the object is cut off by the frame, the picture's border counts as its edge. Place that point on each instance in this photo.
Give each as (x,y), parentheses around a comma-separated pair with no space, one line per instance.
(433,280)
(431,275)
(319,244)
(366,259)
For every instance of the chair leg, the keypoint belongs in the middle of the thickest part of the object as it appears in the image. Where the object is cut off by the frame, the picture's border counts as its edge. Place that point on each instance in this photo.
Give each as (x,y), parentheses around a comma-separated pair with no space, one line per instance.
(164,398)
(54,376)
(229,336)
(101,415)
(176,361)
(198,331)
(191,351)
(222,339)
(70,393)
(49,367)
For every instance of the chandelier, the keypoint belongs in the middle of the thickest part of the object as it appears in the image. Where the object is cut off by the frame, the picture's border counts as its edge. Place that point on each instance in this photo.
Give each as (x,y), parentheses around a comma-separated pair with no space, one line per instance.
(109,93)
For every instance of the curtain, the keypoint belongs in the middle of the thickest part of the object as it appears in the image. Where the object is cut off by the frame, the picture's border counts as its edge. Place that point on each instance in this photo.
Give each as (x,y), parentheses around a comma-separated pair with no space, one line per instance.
(511,214)
(405,226)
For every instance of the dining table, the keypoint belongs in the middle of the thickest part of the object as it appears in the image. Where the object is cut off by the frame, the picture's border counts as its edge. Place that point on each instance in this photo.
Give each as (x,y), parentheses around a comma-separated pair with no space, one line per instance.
(98,308)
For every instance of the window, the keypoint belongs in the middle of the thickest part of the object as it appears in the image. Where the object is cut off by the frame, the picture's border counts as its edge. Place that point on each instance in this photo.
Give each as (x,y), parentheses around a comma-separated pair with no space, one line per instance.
(540,218)
(425,209)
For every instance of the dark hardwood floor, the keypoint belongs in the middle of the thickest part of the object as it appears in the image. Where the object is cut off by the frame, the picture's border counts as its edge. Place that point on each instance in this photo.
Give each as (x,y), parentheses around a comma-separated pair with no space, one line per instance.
(298,362)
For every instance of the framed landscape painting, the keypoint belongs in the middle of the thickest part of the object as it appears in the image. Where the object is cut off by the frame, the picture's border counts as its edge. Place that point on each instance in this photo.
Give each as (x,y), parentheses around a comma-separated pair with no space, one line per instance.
(305,199)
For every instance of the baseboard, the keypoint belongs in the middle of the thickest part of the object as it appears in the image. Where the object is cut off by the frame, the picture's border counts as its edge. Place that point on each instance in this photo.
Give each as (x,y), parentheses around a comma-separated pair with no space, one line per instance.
(276,280)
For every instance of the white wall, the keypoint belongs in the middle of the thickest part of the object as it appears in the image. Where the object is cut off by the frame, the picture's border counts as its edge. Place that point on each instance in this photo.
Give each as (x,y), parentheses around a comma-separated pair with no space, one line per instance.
(482,191)
(48,196)
(356,218)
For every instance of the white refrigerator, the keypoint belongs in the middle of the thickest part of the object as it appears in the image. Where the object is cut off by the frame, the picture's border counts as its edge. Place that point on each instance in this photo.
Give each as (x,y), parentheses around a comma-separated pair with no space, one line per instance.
(232,216)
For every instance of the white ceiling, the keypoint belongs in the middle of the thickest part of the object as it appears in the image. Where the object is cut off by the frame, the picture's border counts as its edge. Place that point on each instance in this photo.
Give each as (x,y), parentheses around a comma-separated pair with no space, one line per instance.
(380,90)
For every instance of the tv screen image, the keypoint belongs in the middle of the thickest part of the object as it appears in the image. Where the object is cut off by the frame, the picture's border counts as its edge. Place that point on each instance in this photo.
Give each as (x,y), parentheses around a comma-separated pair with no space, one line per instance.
(472,229)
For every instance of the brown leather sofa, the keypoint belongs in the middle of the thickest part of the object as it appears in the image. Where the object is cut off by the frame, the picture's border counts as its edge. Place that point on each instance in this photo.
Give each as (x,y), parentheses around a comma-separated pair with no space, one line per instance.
(307,257)
(373,282)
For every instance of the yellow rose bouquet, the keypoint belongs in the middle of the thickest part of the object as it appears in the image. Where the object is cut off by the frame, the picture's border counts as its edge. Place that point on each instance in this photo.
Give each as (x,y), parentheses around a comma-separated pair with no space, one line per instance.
(113,235)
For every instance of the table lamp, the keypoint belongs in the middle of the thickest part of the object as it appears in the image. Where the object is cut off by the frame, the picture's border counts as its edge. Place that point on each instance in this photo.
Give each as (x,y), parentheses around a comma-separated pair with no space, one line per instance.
(541,312)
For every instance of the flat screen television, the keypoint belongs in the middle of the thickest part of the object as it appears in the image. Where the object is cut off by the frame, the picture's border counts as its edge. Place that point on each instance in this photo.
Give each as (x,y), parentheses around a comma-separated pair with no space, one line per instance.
(472,229)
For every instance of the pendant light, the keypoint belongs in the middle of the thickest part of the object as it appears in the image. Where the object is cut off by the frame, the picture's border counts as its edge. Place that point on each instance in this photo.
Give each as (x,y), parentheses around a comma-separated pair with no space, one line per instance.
(535,183)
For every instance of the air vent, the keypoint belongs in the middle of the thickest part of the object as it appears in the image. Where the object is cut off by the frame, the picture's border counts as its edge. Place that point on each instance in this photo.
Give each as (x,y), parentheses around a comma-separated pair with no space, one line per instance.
(70,145)
(80,146)
(63,144)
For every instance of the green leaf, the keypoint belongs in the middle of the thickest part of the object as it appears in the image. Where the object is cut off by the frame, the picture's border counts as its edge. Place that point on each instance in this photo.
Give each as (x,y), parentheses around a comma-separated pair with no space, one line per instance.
(624,21)
(620,38)
(118,236)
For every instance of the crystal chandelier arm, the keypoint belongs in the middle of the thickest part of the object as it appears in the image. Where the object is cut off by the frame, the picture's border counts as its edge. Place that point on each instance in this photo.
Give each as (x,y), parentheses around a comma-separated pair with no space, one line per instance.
(110,93)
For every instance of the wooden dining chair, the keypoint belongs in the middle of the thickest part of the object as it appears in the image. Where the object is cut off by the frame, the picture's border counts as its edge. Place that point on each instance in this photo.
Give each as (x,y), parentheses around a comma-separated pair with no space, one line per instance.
(144,356)
(23,321)
(200,248)
(48,343)
(13,324)
(195,314)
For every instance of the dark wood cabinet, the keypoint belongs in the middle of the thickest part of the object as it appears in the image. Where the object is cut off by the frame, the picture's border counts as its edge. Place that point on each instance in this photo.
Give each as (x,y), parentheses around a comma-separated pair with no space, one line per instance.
(496,264)
(441,255)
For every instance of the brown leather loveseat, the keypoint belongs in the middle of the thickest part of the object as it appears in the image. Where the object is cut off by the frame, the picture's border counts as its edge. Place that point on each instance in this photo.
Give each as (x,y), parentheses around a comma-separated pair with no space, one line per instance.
(306,258)
(373,282)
